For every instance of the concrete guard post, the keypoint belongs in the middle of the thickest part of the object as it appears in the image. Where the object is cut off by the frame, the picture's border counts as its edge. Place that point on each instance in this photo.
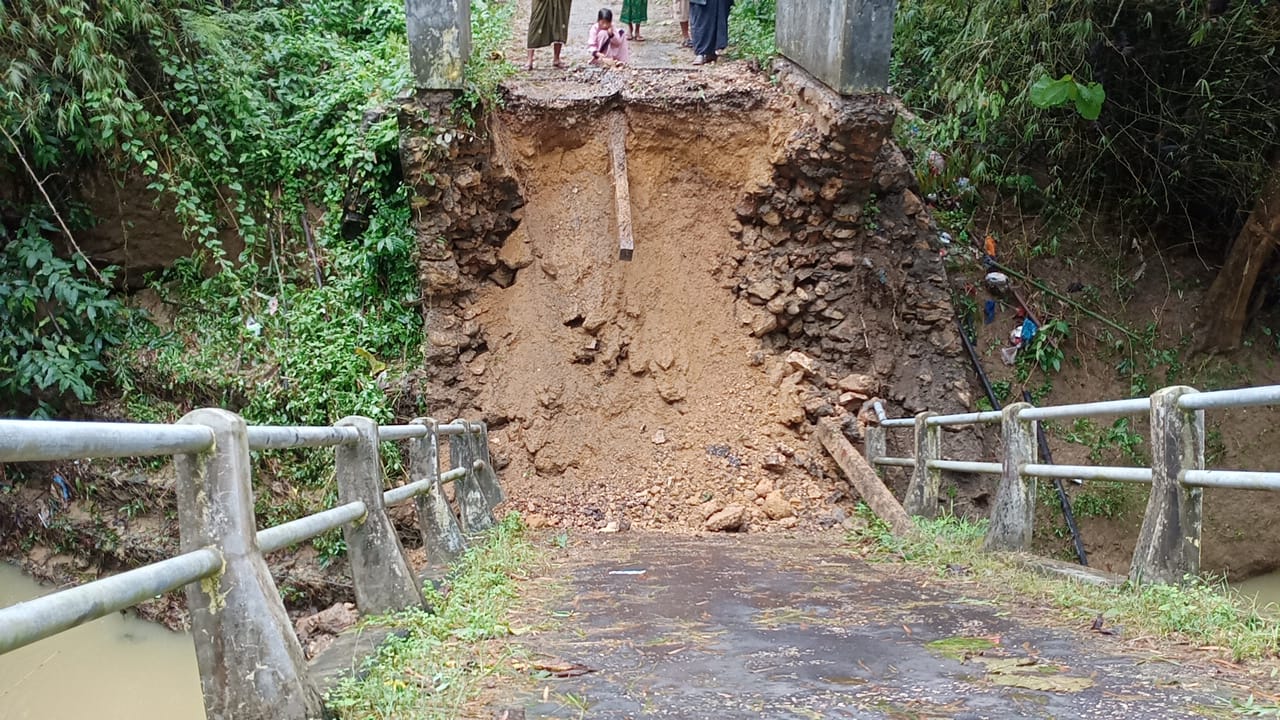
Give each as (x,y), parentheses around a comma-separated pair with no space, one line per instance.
(922,492)
(844,43)
(379,571)
(441,535)
(473,504)
(488,476)
(1013,514)
(251,666)
(875,445)
(1168,549)
(439,42)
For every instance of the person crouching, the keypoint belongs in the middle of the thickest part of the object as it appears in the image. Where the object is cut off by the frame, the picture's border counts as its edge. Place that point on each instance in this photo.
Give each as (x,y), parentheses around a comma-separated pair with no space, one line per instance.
(608,46)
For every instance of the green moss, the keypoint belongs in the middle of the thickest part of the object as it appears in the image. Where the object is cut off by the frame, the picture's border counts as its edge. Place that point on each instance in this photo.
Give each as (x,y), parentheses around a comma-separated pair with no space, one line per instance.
(958,648)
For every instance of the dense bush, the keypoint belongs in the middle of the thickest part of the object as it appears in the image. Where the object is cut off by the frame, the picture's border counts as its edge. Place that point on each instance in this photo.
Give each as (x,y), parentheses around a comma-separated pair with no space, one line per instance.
(248,116)
(1190,116)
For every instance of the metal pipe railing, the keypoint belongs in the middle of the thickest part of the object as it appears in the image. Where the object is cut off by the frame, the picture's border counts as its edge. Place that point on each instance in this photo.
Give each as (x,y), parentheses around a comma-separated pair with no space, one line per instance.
(975,418)
(44,440)
(1237,479)
(395,496)
(47,440)
(895,462)
(262,437)
(1088,472)
(305,528)
(1237,398)
(390,433)
(1106,408)
(37,619)
(966,466)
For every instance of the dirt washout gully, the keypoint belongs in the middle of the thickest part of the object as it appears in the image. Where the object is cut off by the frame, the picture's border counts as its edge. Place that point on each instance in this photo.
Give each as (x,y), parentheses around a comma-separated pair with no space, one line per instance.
(783,273)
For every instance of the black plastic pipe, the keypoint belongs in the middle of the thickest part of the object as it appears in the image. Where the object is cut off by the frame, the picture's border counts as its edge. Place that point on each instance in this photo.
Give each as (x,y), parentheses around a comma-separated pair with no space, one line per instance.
(1063,501)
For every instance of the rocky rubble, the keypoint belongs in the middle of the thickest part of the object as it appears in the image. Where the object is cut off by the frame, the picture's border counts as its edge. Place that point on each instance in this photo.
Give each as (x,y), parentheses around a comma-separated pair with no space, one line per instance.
(839,274)
(466,205)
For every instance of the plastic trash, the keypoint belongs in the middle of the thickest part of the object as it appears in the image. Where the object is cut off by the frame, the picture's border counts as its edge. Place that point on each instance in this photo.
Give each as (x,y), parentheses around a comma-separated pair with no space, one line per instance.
(1015,336)
(254,327)
(1029,330)
(988,312)
(1009,355)
(937,163)
(997,280)
(989,245)
(945,238)
(627,572)
(61,487)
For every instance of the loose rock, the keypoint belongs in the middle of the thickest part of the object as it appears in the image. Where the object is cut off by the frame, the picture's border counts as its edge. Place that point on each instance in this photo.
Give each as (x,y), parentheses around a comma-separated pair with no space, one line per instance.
(777,507)
(730,519)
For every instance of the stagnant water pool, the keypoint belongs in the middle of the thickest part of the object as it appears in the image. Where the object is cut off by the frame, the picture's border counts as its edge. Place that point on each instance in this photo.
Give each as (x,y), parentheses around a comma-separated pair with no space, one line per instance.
(116,668)
(1266,588)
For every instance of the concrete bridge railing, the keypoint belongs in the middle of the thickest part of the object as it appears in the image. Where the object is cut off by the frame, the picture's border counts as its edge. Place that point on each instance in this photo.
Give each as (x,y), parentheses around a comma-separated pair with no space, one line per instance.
(251,663)
(1168,549)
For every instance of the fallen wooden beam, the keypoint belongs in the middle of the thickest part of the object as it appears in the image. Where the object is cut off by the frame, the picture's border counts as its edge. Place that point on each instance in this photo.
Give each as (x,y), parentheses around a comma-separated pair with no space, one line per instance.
(864,479)
(621,188)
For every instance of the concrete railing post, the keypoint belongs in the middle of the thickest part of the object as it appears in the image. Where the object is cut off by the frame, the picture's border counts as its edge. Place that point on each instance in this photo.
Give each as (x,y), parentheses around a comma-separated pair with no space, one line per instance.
(922,492)
(251,665)
(381,575)
(1013,514)
(489,476)
(439,42)
(441,535)
(876,445)
(1168,549)
(846,44)
(474,507)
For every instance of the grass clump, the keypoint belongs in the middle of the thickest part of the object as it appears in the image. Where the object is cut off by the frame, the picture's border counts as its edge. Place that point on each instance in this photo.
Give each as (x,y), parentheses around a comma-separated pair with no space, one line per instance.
(434,669)
(1204,613)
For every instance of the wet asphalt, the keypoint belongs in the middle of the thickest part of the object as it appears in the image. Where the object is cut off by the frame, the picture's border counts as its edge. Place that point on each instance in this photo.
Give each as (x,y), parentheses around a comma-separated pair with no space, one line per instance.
(761,627)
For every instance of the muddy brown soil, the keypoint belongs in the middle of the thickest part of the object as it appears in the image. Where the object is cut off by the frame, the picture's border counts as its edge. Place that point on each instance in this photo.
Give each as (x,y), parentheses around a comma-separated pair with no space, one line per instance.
(778,249)
(631,389)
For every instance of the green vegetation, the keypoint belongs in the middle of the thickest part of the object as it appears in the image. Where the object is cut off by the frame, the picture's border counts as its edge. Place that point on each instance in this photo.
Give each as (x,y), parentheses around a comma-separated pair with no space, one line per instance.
(435,668)
(271,128)
(1185,128)
(751,29)
(1203,613)
(957,648)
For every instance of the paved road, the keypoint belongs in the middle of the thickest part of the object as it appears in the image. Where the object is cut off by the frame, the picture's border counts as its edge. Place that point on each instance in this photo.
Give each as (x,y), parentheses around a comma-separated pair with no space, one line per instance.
(760,627)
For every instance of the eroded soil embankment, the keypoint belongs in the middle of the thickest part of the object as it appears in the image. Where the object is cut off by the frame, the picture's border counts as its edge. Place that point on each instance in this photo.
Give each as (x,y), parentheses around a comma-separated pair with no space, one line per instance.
(658,390)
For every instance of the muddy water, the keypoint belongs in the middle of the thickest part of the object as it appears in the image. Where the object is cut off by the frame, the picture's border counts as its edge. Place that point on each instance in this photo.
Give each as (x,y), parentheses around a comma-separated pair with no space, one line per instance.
(1266,588)
(116,668)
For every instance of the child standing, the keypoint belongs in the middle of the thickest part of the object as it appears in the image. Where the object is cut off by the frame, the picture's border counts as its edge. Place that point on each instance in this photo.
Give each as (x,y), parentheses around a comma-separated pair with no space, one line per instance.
(634,14)
(680,12)
(608,45)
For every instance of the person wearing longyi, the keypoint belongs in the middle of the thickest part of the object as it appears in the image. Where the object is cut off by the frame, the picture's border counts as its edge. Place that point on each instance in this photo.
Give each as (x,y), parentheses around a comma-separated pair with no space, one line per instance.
(548,25)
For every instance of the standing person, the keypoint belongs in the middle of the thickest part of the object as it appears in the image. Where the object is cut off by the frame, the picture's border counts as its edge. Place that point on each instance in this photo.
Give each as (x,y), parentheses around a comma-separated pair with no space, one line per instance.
(634,14)
(680,13)
(608,46)
(548,25)
(705,16)
(722,26)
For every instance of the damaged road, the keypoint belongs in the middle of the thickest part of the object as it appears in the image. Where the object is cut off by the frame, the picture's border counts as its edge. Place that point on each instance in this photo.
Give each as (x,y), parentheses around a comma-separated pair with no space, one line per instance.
(728,627)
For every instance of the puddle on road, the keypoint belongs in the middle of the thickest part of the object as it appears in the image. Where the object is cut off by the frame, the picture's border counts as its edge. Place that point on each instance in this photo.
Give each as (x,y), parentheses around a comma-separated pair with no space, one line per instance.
(115,668)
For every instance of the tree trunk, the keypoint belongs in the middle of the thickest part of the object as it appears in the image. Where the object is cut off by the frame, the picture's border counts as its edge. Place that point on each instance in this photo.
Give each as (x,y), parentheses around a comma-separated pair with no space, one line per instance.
(1226,308)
